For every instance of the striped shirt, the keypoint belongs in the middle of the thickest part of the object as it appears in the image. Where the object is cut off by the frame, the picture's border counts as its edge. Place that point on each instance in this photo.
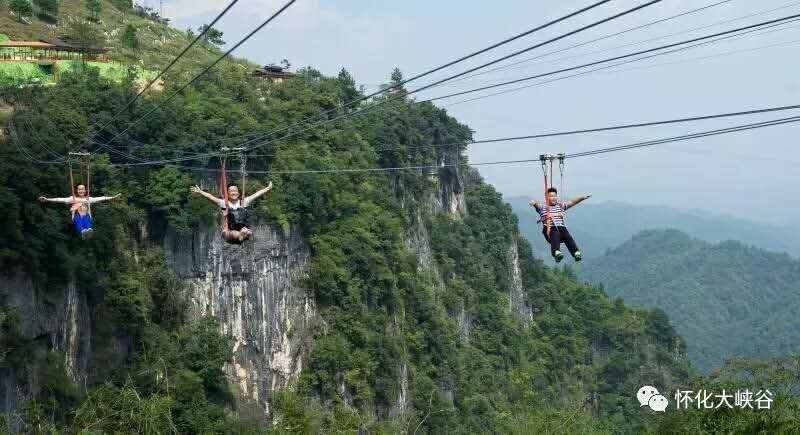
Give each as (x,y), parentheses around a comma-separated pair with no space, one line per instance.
(553,213)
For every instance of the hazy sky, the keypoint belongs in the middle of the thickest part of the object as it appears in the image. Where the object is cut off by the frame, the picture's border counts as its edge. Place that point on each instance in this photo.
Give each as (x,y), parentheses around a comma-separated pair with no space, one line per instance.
(726,174)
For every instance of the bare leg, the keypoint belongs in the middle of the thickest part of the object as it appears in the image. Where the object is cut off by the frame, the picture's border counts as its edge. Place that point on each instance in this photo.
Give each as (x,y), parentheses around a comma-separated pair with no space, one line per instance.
(231,236)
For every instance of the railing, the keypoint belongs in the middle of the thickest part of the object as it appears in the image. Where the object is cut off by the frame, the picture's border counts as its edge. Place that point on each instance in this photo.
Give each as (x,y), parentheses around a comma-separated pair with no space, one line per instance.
(12,55)
(23,58)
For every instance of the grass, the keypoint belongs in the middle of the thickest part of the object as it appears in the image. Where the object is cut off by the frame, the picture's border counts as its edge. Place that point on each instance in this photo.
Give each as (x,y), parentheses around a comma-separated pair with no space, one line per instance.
(112,71)
(18,73)
(21,73)
(159,43)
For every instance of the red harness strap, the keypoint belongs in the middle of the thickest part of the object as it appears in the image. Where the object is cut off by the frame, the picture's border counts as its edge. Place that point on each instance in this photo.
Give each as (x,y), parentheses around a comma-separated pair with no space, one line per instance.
(88,194)
(71,181)
(546,219)
(223,185)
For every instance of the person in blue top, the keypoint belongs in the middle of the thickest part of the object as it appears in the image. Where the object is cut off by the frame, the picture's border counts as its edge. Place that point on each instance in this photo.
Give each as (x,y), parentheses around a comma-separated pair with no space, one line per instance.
(554,229)
(79,208)
(82,221)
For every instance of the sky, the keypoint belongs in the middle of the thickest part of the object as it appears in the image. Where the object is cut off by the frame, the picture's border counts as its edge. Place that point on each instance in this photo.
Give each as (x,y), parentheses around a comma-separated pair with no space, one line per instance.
(735,174)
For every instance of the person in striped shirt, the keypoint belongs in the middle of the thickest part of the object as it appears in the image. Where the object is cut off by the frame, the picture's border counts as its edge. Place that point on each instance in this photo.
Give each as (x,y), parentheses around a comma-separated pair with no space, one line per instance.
(554,229)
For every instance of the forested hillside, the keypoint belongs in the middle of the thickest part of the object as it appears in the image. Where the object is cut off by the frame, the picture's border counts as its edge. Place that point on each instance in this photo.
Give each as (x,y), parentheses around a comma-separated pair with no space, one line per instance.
(599,226)
(131,34)
(725,299)
(422,309)
(446,326)
(138,41)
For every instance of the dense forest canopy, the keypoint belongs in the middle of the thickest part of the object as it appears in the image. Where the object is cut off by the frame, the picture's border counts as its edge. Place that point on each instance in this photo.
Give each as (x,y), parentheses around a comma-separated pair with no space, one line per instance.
(564,358)
(726,299)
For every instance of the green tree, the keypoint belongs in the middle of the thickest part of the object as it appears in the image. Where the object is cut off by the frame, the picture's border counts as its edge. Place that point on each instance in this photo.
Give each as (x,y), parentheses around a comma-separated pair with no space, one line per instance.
(348,86)
(94,8)
(130,38)
(123,5)
(213,35)
(21,8)
(49,7)
(87,34)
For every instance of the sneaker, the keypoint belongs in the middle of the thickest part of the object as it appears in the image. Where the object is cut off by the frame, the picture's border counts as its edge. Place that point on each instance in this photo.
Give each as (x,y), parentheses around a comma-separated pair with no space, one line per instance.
(577,256)
(558,256)
(87,233)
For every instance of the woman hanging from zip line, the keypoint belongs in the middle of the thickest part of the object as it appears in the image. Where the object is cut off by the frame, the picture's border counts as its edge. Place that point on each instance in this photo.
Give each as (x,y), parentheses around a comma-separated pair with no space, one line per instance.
(235,227)
(80,208)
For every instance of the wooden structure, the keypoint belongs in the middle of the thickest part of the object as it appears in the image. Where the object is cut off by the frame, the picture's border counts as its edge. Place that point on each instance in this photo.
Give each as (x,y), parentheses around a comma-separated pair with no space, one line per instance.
(49,50)
(272,73)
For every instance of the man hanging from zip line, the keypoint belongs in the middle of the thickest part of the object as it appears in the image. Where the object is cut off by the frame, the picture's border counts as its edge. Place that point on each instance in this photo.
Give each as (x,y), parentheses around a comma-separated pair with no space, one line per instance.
(554,229)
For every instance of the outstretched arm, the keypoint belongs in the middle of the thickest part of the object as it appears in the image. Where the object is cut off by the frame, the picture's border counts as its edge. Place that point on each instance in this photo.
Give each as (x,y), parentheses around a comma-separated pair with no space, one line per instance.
(255,196)
(577,200)
(535,204)
(67,200)
(208,196)
(95,199)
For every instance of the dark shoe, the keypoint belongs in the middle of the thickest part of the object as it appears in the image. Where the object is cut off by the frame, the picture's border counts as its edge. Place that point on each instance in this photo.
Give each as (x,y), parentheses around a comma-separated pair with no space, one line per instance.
(577,256)
(558,256)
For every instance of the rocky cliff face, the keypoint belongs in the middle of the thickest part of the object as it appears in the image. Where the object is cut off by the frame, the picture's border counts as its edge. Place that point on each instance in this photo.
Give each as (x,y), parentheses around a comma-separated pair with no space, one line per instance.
(54,319)
(516,294)
(253,289)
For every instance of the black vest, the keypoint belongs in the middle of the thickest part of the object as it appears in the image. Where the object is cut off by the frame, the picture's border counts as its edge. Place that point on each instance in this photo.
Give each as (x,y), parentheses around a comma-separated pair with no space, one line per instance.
(237,218)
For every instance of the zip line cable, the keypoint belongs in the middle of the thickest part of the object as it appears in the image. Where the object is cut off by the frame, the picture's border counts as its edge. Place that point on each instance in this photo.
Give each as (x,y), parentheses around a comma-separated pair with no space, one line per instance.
(649,143)
(158,76)
(511,65)
(598,129)
(253,136)
(213,64)
(740,29)
(712,56)
(372,107)
(360,110)
(722,33)
(744,127)
(581,44)
(202,155)
(552,40)
(624,56)
(461,59)
(170,65)
(644,144)
(507,91)
(473,54)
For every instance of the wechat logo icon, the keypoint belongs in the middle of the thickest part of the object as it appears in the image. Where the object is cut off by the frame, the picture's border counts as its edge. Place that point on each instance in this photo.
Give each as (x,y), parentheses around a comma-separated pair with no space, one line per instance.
(649,396)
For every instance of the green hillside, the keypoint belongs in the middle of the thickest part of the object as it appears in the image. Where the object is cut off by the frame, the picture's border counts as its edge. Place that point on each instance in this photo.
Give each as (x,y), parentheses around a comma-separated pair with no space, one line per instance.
(503,374)
(479,337)
(599,226)
(158,43)
(725,299)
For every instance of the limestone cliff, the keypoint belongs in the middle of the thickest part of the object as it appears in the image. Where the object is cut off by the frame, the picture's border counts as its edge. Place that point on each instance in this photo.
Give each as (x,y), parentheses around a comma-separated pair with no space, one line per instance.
(53,319)
(254,291)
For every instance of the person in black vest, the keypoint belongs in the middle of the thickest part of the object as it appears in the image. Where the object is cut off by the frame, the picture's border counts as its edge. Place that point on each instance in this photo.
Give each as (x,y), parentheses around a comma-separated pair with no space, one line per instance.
(236,229)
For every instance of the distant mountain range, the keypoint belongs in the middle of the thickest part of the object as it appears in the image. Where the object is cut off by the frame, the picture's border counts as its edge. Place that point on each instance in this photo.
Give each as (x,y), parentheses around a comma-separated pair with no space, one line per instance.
(725,299)
(601,226)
